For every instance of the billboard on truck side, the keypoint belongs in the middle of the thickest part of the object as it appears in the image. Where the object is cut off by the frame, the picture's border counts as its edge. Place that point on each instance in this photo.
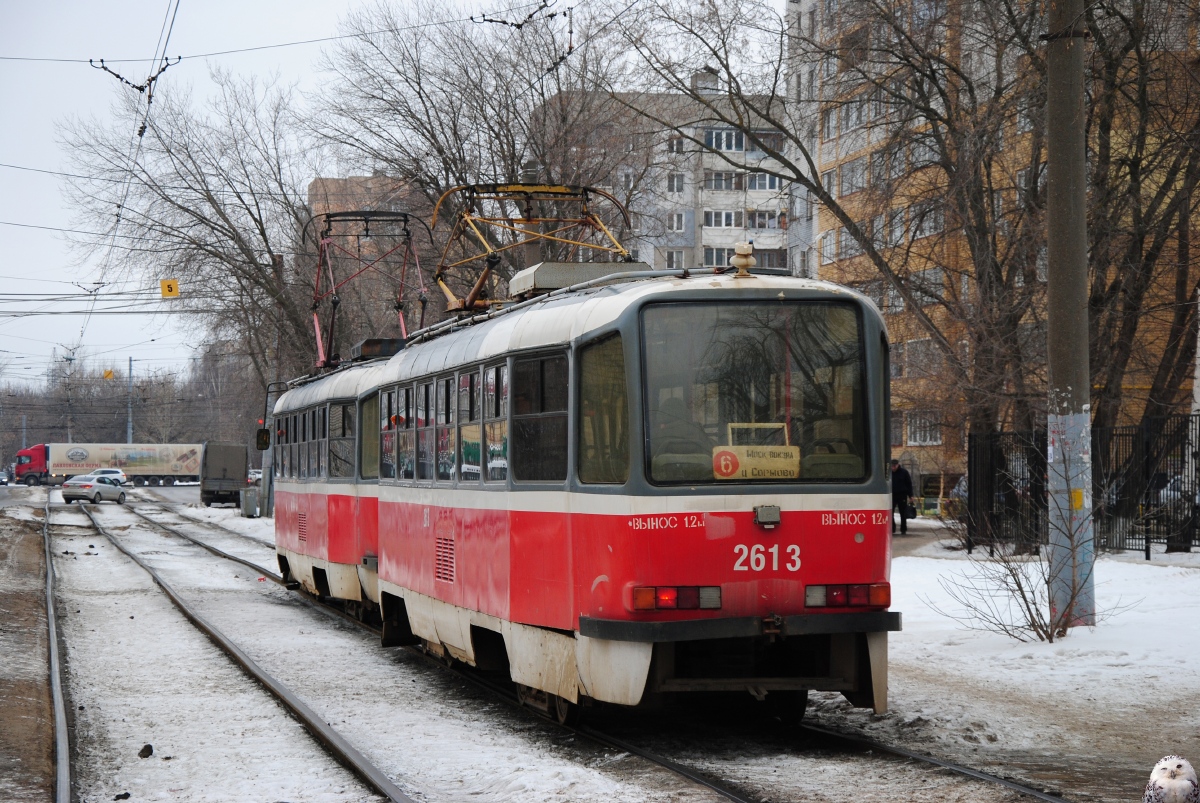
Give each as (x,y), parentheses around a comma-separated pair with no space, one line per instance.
(157,459)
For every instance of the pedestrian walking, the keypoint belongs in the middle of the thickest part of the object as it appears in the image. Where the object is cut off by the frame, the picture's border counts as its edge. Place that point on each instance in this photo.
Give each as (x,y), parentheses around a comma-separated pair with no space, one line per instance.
(902,495)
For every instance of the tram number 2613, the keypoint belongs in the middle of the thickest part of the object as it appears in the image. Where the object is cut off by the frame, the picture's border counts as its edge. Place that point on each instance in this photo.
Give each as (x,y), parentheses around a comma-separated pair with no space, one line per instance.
(758,558)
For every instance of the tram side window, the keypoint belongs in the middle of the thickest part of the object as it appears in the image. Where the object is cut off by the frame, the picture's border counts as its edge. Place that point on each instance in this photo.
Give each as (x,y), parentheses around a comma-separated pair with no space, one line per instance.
(341,440)
(323,441)
(406,434)
(425,452)
(470,431)
(314,445)
(369,457)
(301,445)
(495,413)
(281,449)
(294,448)
(445,428)
(387,435)
(604,413)
(539,448)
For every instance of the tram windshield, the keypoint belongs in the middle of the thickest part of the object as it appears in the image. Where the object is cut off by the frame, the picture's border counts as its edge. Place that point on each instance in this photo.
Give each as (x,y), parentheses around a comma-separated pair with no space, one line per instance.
(754,392)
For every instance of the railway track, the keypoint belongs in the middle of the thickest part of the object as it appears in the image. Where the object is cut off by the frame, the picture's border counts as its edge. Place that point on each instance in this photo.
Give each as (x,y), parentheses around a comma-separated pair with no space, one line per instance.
(334,743)
(849,742)
(62,745)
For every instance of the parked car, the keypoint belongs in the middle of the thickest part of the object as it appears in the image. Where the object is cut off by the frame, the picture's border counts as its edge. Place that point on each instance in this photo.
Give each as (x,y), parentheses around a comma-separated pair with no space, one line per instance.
(116,473)
(91,488)
(254,477)
(3,478)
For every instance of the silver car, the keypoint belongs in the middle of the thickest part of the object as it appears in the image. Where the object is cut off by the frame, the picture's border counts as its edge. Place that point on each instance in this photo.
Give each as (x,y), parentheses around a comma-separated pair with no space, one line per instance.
(91,488)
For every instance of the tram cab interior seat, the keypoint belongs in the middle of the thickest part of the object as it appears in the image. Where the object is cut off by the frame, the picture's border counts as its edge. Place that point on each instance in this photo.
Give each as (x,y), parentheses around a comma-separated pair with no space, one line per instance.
(680,448)
(831,458)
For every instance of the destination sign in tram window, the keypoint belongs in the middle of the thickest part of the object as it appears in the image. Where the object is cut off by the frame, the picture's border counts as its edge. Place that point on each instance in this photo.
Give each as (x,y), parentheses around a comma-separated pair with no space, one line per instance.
(754,392)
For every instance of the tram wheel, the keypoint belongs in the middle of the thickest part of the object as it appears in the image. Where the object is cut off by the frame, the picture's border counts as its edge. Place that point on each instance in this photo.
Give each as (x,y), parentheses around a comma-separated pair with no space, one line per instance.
(564,711)
(789,706)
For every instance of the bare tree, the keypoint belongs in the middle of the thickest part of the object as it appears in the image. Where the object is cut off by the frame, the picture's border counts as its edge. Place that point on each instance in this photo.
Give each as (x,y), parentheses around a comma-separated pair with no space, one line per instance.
(917,127)
(213,196)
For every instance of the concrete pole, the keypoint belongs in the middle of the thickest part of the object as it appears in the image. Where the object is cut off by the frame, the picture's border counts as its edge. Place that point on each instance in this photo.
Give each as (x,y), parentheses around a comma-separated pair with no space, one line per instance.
(129,411)
(1071,554)
(23,432)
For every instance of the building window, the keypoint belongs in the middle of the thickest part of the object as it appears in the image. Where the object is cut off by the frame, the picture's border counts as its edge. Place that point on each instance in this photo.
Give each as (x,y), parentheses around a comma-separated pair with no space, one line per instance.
(854,176)
(627,182)
(674,182)
(723,219)
(717,257)
(927,219)
(771,258)
(721,139)
(675,260)
(848,245)
(924,429)
(765,140)
(828,124)
(896,364)
(928,286)
(675,145)
(763,181)
(722,180)
(675,221)
(829,182)
(923,358)
(897,427)
(762,219)
(828,247)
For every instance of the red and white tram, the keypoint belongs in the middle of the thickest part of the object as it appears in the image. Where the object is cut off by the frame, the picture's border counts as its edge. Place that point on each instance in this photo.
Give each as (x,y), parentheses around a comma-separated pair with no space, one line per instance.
(660,485)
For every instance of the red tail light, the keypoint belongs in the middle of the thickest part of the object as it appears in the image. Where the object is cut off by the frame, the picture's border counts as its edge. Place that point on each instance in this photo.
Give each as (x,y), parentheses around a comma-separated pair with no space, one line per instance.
(858,595)
(687,598)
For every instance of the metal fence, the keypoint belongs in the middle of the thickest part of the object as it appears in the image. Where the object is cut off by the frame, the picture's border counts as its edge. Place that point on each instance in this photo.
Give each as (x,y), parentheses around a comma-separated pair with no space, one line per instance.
(1145,486)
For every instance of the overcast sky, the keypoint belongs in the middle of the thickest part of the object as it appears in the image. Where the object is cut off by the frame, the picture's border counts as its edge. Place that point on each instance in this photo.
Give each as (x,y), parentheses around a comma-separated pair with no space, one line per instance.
(35,96)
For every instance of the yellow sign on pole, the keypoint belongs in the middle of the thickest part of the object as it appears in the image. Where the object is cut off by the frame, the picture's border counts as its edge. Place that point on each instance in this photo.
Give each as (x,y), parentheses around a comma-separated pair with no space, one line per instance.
(170,288)
(108,373)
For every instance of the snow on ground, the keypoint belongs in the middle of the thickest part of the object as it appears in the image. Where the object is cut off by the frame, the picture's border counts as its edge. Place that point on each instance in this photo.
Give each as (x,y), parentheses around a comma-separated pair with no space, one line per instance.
(1105,702)
(1094,710)
(139,674)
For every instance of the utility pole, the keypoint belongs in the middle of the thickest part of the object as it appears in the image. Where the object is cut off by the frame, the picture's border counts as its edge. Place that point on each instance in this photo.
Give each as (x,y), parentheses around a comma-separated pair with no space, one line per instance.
(70,402)
(1069,428)
(129,409)
(23,432)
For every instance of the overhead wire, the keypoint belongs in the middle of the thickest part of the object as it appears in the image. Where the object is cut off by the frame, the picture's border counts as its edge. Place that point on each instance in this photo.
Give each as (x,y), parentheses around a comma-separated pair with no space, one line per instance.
(256,48)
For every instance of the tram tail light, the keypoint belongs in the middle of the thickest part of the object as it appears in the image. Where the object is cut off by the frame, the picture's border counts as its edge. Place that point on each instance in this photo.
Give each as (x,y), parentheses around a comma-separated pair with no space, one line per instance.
(643,599)
(669,598)
(881,595)
(874,595)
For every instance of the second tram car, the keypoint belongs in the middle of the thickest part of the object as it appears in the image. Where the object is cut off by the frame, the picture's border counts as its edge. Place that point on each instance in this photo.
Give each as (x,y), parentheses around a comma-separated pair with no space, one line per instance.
(656,486)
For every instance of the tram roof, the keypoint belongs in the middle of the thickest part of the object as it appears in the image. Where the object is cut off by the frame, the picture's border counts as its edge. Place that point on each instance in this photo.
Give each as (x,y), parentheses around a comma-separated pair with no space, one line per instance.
(556,320)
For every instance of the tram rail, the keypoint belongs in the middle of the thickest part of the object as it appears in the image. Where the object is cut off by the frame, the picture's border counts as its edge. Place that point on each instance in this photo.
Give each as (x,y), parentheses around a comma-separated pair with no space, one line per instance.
(62,740)
(332,741)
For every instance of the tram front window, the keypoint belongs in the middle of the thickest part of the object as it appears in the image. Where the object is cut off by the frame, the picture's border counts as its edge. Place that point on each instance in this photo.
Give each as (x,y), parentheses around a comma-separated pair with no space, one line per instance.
(754,392)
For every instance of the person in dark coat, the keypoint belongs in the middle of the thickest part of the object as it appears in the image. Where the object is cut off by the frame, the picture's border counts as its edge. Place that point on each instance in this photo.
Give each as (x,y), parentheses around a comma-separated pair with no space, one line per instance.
(902,495)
